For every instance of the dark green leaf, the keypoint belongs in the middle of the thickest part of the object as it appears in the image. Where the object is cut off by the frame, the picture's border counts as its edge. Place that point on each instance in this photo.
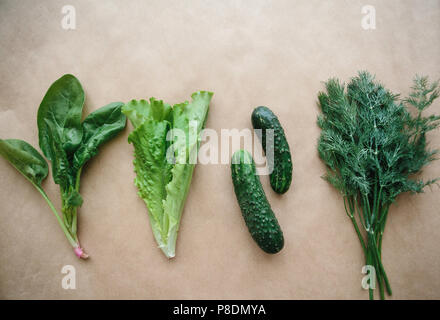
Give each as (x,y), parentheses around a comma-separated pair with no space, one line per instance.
(25,159)
(99,127)
(74,199)
(61,170)
(62,108)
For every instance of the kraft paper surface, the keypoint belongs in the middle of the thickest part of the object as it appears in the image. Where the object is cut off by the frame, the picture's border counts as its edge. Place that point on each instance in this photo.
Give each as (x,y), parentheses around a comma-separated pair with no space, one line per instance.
(249,53)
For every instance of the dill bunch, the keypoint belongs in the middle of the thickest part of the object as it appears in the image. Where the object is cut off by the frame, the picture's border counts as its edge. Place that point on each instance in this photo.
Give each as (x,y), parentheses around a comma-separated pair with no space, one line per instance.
(374,145)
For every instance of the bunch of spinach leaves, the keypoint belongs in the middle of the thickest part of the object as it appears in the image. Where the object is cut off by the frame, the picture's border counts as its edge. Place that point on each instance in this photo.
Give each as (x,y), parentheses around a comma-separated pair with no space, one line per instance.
(68,143)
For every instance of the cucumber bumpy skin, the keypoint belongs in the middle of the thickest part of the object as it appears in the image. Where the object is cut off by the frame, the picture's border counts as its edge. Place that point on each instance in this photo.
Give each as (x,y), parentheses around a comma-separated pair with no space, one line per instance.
(256,210)
(281,176)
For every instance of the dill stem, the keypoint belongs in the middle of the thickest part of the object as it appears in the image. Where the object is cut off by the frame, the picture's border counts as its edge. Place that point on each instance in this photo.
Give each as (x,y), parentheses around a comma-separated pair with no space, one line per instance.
(380,265)
(373,214)
(359,234)
(370,256)
(358,207)
(372,234)
(369,263)
(373,255)
(350,214)
(366,212)
(376,204)
(382,229)
(381,288)
(380,281)
(376,263)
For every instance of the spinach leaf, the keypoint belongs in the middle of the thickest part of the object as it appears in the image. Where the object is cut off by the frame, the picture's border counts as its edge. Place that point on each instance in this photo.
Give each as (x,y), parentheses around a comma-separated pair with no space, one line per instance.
(68,144)
(61,171)
(33,166)
(25,159)
(99,127)
(62,108)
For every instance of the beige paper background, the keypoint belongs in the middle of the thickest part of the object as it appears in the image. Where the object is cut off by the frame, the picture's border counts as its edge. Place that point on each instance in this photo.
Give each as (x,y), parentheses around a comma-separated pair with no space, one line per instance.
(250,53)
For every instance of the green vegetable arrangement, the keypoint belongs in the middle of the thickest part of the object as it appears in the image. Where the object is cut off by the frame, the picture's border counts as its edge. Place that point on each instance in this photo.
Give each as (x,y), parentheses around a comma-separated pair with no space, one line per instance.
(68,143)
(373,147)
(166,141)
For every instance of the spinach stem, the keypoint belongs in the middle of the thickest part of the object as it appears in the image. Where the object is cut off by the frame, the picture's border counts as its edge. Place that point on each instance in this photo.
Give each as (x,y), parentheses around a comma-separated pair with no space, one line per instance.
(74,226)
(60,221)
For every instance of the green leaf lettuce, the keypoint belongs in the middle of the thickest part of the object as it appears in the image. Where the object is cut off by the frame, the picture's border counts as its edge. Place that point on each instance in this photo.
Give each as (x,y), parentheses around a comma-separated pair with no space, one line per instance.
(166,141)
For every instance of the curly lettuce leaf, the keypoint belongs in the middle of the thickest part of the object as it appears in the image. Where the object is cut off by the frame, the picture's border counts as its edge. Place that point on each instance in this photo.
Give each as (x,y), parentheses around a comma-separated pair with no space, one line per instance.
(163,184)
(153,172)
(137,111)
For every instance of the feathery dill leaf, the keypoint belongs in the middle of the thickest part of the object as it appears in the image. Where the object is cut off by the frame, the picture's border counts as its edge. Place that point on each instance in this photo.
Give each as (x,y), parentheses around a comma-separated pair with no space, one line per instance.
(373,147)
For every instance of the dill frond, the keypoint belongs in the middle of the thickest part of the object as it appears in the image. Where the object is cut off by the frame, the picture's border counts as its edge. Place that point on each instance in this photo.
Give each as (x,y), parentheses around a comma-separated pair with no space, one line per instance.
(374,148)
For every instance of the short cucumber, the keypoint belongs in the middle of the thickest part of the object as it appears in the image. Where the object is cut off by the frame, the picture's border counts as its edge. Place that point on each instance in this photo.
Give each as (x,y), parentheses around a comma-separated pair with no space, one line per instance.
(281,176)
(256,210)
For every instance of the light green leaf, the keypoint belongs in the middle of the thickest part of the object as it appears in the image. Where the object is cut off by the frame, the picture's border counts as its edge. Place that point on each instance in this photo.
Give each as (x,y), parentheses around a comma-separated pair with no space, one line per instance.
(163,184)
(137,111)
(153,172)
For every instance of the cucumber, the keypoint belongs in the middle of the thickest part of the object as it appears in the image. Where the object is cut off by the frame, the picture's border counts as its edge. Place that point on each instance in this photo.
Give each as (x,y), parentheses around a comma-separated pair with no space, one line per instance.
(281,176)
(256,210)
